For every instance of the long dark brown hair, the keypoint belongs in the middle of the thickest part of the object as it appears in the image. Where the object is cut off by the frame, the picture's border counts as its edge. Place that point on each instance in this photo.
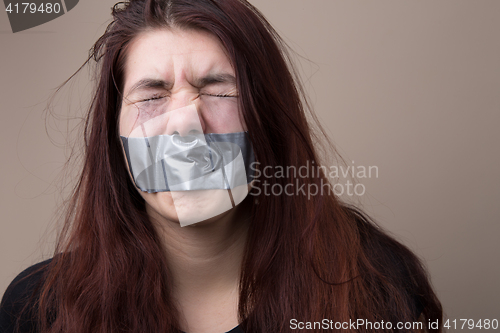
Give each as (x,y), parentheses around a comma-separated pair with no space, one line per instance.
(307,258)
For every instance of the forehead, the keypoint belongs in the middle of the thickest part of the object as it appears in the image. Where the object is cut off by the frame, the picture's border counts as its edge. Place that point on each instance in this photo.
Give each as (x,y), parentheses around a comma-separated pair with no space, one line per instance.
(174,54)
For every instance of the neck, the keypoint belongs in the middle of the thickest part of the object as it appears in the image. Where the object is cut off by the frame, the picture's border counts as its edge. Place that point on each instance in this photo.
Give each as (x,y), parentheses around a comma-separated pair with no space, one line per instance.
(205,258)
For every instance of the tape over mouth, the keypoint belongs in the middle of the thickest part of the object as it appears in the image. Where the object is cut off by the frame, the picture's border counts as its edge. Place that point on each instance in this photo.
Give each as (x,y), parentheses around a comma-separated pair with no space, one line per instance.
(165,163)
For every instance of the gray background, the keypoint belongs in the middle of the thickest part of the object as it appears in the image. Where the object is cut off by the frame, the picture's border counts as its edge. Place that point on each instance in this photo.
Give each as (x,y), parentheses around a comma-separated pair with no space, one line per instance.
(412,87)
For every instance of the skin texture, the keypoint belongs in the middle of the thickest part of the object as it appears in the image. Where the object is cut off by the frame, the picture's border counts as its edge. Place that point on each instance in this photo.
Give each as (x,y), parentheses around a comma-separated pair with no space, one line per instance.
(205,258)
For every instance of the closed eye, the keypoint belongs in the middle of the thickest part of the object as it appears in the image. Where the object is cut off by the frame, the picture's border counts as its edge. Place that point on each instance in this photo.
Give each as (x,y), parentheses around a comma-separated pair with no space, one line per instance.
(153,98)
(220,95)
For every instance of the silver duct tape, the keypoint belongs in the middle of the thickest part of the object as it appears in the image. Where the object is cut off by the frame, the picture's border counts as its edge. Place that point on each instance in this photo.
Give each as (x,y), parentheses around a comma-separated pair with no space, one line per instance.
(197,162)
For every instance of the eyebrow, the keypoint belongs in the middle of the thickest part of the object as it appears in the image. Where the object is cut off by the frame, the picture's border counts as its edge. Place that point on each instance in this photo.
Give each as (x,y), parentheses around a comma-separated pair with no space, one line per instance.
(214,79)
(148,83)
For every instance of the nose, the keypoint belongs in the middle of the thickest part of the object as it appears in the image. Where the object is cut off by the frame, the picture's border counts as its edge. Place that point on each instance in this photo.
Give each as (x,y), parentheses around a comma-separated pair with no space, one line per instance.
(185,121)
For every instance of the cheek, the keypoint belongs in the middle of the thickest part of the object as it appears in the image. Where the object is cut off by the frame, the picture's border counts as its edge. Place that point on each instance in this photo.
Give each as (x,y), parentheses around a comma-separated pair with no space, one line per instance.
(222,119)
(126,120)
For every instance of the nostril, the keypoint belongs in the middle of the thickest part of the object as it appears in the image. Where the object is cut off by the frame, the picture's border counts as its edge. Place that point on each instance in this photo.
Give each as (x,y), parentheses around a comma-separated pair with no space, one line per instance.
(185,140)
(175,133)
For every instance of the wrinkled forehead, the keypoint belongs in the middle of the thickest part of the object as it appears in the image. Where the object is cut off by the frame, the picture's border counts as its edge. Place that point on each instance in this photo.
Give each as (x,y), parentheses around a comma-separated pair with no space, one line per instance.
(175,56)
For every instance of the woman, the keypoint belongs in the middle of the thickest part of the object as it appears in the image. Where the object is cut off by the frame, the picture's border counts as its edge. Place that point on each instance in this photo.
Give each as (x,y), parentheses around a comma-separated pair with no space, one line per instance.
(142,255)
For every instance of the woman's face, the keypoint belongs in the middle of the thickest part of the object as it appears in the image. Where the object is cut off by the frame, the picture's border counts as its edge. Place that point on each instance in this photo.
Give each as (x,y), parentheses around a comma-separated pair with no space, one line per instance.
(179,82)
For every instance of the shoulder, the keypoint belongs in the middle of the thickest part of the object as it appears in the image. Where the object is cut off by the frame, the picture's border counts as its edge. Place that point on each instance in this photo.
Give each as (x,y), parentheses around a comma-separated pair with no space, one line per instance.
(19,300)
(393,266)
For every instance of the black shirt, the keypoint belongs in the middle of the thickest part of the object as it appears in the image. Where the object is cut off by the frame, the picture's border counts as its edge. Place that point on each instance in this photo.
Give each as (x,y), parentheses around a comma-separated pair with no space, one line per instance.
(18,295)
(21,290)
